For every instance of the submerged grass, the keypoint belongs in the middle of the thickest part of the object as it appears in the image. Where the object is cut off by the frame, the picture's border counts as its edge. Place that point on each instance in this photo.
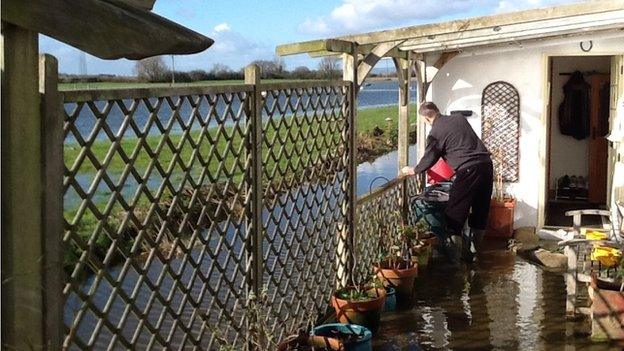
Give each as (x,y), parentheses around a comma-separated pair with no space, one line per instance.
(214,151)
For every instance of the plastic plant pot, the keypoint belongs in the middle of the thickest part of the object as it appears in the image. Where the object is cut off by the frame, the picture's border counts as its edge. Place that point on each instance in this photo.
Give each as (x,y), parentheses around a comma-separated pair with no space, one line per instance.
(390,304)
(343,337)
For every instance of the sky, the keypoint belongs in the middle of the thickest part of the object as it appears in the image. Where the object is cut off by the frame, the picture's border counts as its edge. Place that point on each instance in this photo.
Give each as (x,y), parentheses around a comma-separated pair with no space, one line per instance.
(246,30)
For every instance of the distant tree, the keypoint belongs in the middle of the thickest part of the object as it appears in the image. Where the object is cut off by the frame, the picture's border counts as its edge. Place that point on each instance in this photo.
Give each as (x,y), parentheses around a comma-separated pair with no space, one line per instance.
(152,69)
(272,68)
(221,71)
(302,72)
(199,74)
(329,67)
(280,65)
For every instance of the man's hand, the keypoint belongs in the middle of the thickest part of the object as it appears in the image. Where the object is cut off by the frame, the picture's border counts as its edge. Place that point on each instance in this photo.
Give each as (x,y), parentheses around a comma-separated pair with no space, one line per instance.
(408,171)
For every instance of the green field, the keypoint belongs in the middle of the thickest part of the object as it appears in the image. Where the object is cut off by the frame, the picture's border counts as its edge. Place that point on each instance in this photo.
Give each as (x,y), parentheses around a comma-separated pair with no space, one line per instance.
(367,120)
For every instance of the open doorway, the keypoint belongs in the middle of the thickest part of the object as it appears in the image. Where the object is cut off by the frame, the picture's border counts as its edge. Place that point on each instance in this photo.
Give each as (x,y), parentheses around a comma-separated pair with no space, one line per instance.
(578,127)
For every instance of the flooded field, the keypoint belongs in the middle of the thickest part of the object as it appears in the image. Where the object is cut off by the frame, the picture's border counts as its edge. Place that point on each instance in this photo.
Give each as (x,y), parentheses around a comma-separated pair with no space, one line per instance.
(502,303)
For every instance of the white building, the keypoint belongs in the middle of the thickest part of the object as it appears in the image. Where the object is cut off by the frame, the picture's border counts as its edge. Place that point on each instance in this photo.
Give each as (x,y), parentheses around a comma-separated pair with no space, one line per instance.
(534,52)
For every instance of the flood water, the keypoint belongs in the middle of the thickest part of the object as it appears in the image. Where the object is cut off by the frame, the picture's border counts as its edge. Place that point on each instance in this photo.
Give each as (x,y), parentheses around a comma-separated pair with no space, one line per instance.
(503,303)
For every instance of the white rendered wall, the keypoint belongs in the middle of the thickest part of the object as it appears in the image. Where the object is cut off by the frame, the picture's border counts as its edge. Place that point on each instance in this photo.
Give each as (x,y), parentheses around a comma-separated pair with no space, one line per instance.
(568,155)
(459,84)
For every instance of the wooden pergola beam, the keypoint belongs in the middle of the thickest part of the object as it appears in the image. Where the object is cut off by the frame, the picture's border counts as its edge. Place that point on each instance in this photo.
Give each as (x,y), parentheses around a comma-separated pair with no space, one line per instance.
(486,30)
(109,29)
(470,24)
(517,32)
(324,45)
(394,53)
(371,59)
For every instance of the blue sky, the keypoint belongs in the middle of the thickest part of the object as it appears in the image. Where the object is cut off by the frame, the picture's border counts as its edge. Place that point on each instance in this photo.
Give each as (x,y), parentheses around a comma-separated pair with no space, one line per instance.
(245,30)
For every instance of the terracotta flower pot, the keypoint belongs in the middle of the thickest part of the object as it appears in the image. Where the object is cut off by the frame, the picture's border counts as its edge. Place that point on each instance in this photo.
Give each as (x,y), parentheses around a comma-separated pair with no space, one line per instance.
(607,310)
(402,280)
(365,312)
(501,219)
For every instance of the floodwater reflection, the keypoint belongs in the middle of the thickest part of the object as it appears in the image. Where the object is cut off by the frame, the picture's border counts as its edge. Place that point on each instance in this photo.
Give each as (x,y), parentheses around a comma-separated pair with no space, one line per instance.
(502,303)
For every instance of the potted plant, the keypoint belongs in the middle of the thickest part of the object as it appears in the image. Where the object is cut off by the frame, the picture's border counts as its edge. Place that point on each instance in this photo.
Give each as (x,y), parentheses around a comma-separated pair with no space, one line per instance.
(395,267)
(502,206)
(359,305)
(423,247)
(607,304)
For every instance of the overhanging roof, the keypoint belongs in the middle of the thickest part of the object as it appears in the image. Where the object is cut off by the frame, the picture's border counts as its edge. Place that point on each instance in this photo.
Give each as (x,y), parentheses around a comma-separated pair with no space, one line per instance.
(515,27)
(108,29)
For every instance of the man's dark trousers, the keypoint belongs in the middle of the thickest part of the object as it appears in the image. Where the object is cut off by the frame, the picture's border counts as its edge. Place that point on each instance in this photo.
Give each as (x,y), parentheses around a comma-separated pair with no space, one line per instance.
(470,194)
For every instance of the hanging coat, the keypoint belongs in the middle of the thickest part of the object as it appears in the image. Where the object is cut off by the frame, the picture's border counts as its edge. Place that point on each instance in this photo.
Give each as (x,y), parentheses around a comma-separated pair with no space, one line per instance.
(574,110)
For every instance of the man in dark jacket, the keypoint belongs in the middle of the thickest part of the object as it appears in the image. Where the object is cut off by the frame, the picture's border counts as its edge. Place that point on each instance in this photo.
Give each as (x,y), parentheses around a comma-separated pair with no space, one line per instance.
(453,139)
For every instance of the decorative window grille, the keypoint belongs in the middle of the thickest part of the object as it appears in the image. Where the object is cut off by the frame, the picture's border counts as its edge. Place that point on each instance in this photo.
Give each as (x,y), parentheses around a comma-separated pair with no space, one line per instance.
(500,127)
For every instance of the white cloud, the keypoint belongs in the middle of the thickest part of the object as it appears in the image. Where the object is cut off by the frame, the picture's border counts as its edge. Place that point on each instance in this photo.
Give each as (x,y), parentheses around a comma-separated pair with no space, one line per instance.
(354,16)
(230,48)
(222,27)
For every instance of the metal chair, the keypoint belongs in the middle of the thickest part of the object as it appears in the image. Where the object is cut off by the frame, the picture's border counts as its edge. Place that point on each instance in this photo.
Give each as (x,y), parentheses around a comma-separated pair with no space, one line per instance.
(576,249)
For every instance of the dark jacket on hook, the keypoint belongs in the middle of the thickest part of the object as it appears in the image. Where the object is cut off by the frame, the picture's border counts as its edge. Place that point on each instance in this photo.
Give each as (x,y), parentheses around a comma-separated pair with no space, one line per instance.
(574,110)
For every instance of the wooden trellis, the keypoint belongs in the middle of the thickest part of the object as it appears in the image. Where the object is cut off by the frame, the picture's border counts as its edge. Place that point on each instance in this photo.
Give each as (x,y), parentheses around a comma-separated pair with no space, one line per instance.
(500,127)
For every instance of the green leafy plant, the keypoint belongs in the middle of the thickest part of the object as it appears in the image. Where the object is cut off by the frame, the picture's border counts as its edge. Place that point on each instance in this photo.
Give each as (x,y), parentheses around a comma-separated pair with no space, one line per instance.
(394,246)
(498,155)
(353,294)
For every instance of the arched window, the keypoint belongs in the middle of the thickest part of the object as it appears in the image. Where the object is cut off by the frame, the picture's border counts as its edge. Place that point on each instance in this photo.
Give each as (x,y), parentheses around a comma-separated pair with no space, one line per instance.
(500,127)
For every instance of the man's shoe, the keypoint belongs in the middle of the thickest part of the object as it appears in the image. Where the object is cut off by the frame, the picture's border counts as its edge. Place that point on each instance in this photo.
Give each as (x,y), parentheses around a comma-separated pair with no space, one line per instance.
(471,243)
(452,249)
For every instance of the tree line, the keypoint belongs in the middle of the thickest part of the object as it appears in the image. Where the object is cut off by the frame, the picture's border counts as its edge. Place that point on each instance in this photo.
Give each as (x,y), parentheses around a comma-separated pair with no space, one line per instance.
(154,69)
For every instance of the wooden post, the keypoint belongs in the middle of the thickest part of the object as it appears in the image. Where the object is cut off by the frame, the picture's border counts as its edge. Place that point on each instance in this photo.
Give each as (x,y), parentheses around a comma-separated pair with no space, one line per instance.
(421,91)
(346,240)
(22,191)
(252,76)
(404,74)
(52,136)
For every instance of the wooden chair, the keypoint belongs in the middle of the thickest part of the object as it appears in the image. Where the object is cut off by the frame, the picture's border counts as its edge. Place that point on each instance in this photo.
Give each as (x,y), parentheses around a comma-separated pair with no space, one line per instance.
(578,247)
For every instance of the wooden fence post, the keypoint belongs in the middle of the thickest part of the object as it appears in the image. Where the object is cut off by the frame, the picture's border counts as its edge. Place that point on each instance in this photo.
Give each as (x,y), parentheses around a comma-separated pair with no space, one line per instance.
(404,74)
(420,69)
(22,190)
(52,151)
(252,76)
(346,242)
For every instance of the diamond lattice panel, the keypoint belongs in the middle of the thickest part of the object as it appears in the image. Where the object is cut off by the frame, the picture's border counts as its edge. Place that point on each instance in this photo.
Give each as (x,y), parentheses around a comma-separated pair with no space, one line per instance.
(155,219)
(381,212)
(305,158)
(500,127)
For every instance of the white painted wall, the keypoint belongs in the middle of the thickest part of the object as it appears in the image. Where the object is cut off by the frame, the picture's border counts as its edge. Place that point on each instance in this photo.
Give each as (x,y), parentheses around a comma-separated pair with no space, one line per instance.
(459,85)
(568,155)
